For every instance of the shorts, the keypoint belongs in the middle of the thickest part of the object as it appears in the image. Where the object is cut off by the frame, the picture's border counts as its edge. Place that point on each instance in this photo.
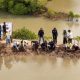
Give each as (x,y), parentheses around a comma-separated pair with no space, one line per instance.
(8,41)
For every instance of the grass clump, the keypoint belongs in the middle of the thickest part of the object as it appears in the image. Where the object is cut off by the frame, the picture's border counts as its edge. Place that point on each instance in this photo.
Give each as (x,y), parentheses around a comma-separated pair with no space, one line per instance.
(24,33)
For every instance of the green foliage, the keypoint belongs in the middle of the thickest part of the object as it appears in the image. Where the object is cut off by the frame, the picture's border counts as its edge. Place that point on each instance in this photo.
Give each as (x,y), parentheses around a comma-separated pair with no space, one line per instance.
(77,38)
(21,6)
(24,33)
(50,13)
(1,4)
(10,4)
(77,15)
(19,9)
(71,14)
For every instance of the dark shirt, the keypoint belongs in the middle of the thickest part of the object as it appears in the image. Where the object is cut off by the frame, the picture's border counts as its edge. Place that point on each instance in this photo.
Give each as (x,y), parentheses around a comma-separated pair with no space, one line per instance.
(41,33)
(54,32)
(4,28)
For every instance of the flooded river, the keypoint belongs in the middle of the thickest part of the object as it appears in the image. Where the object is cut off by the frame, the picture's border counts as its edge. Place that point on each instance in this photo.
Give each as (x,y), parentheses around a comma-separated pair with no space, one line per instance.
(42,67)
(39,68)
(65,5)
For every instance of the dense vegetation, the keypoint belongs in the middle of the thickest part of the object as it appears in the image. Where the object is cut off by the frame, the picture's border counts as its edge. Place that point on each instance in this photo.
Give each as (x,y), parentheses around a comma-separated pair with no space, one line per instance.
(33,7)
(24,33)
(22,7)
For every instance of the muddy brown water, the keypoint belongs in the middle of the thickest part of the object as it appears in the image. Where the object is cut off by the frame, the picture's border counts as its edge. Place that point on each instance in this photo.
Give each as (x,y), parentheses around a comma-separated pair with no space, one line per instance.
(65,5)
(42,67)
(39,68)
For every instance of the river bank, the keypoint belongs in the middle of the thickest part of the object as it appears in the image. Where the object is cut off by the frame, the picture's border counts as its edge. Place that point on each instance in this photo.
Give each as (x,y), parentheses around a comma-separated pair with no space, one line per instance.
(58,52)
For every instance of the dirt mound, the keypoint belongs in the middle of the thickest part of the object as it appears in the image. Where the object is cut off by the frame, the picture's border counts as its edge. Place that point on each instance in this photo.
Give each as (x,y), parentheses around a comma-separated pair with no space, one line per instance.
(58,52)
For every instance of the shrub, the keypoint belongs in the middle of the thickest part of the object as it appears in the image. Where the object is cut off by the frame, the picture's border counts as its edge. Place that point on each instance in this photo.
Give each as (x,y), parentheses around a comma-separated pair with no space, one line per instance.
(24,33)
(19,8)
(50,14)
(1,4)
(71,14)
(10,4)
(77,15)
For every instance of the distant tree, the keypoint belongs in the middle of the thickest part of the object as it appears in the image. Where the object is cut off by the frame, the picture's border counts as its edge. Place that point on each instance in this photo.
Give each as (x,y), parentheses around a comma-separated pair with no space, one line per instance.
(71,15)
(19,8)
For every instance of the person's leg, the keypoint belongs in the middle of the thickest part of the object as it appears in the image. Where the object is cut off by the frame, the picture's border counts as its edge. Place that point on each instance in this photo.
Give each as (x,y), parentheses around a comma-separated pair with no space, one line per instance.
(68,40)
(11,38)
(71,40)
(43,39)
(55,39)
(6,41)
(64,40)
(39,40)
(9,41)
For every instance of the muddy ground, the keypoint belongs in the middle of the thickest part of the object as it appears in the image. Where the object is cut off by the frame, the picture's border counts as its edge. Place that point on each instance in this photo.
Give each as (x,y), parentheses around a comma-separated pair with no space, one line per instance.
(58,52)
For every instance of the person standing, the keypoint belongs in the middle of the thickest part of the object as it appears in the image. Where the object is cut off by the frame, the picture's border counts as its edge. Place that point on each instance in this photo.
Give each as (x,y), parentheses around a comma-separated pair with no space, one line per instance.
(64,37)
(70,36)
(4,28)
(41,35)
(55,35)
(8,38)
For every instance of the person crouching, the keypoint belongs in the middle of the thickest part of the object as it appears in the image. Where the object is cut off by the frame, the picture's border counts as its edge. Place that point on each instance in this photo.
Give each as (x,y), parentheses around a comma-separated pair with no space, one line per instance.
(51,46)
(44,46)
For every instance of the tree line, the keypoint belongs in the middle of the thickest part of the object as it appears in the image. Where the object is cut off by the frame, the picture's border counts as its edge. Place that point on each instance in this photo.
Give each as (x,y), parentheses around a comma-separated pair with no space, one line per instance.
(22,7)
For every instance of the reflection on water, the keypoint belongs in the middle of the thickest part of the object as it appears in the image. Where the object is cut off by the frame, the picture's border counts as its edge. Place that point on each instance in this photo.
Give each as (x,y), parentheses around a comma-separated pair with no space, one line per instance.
(39,68)
(1,62)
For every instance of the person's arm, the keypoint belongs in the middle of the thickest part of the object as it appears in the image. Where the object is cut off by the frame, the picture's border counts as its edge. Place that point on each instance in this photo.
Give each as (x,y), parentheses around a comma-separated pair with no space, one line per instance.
(43,32)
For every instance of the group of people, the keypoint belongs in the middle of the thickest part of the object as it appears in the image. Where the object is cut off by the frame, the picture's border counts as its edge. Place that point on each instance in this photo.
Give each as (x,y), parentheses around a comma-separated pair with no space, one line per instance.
(5,33)
(51,45)
(43,43)
(54,35)
(67,36)
(67,39)
(19,46)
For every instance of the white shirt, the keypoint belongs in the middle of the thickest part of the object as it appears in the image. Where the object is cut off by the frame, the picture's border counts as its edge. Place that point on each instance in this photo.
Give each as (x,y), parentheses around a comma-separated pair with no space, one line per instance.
(70,35)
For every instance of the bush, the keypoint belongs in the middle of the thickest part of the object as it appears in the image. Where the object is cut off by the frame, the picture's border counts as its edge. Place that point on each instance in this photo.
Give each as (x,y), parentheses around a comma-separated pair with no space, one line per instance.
(1,4)
(24,33)
(50,14)
(19,8)
(71,14)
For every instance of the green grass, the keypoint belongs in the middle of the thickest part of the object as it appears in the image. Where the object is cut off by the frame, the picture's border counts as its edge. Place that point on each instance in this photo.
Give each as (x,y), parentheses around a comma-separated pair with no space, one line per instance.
(24,33)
